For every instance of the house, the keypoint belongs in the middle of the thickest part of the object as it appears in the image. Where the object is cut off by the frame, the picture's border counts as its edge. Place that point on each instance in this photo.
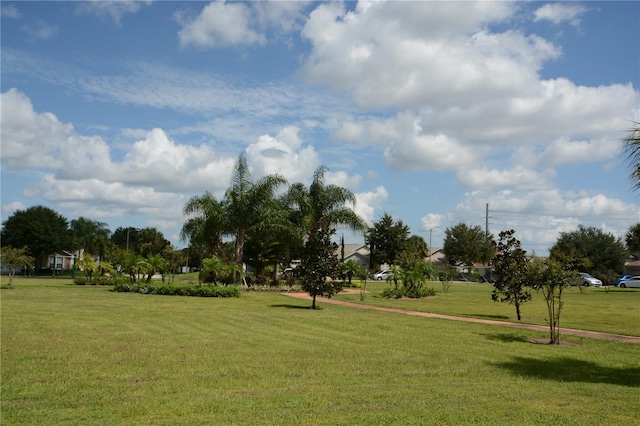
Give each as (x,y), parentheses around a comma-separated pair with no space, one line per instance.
(437,256)
(357,252)
(63,260)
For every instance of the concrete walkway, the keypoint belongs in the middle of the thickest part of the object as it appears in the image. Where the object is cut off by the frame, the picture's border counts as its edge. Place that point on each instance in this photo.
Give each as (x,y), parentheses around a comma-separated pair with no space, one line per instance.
(571,331)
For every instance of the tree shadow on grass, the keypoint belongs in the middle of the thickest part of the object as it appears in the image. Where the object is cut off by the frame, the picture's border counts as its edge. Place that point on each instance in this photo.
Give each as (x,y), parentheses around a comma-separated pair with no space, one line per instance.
(506,337)
(495,317)
(567,369)
(287,306)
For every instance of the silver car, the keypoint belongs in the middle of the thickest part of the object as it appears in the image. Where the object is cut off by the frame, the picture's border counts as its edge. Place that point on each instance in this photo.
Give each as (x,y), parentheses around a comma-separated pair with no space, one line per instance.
(589,280)
(631,282)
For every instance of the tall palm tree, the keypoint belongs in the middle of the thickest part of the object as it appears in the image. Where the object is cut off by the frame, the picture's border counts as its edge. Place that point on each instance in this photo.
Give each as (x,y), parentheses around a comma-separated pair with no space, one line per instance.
(250,205)
(320,200)
(632,150)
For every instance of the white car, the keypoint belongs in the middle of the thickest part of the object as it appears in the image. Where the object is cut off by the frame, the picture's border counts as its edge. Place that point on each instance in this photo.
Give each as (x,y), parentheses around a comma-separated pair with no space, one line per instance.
(631,282)
(589,280)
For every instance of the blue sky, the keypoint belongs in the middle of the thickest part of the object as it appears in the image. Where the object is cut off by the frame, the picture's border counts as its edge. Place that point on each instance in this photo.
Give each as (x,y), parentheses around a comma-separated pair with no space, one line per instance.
(122,111)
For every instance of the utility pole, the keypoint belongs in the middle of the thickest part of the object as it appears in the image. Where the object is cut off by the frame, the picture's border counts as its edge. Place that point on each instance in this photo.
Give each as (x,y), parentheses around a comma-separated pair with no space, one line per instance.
(486,224)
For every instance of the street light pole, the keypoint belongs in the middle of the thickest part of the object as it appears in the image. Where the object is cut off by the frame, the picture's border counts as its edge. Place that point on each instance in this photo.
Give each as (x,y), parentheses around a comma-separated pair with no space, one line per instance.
(430,247)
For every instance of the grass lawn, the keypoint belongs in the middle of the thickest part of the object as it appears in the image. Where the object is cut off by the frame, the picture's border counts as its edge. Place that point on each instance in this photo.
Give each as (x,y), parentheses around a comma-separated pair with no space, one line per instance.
(614,311)
(77,355)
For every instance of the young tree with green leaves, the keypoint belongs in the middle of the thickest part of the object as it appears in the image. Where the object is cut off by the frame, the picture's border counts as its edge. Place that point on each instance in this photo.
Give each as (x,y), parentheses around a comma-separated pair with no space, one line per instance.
(550,278)
(319,267)
(349,268)
(87,264)
(510,265)
(14,258)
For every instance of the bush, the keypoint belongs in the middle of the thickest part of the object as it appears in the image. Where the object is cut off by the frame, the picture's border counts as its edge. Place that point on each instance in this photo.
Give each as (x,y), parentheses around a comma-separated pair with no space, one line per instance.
(413,292)
(170,290)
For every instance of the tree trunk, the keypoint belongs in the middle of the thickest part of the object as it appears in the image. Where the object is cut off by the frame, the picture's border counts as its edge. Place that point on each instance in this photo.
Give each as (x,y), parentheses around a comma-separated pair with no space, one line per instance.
(313,303)
(239,249)
(518,310)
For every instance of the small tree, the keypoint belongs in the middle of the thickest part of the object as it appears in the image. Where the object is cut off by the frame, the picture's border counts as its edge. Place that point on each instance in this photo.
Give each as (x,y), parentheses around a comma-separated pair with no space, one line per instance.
(551,277)
(87,264)
(319,266)
(349,268)
(14,258)
(215,269)
(510,264)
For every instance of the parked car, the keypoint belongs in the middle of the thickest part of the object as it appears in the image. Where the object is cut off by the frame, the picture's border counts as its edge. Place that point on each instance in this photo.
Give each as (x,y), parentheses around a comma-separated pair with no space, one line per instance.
(631,282)
(382,275)
(588,280)
(621,279)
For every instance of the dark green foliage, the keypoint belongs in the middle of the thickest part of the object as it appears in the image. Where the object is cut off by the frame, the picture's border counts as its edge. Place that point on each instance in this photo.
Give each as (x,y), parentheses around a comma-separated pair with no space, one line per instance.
(632,239)
(510,265)
(387,239)
(319,267)
(414,293)
(169,290)
(41,230)
(90,235)
(465,244)
(591,250)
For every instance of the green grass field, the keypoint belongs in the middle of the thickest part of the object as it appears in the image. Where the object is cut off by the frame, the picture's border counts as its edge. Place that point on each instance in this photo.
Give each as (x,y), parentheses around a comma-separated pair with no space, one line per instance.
(613,310)
(76,355)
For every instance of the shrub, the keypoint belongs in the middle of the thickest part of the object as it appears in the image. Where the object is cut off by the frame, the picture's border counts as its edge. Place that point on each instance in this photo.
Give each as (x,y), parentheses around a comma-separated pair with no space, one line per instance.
(412,292)
(170,290)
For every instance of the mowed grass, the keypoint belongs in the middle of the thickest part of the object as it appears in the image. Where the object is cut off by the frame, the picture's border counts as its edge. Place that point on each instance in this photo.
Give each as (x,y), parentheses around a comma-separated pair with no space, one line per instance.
(77,355)
(616,310)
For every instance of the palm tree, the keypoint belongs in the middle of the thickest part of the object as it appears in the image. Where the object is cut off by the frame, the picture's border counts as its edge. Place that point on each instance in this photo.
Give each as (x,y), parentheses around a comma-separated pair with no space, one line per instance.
(632,150)
(320,200)
(207,224)
(90,235)
(250,206)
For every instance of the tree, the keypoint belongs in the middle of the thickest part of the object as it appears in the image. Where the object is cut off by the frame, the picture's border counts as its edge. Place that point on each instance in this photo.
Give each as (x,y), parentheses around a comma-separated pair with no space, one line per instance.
(631,147)
(387,239)
(206,225)
(152,242)
(319,262)
(87,264)
(349,268)
(126,238)
(249,205)
(594,251)
(510,265)
(632,239)
(467,244)
(41,230)
(550,277)
(215,268)
(14,258)
(90,235)
(331,203)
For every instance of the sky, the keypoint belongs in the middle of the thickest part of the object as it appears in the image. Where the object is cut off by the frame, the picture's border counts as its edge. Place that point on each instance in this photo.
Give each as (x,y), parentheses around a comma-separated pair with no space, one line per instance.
(428,111)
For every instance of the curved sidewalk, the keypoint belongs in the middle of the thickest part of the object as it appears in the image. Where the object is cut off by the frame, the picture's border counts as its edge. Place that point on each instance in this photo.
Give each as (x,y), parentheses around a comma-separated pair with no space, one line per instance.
(572,331)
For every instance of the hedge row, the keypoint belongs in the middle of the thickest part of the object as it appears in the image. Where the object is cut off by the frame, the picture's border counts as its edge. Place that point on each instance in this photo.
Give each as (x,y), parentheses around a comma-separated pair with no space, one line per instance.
(169,290)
